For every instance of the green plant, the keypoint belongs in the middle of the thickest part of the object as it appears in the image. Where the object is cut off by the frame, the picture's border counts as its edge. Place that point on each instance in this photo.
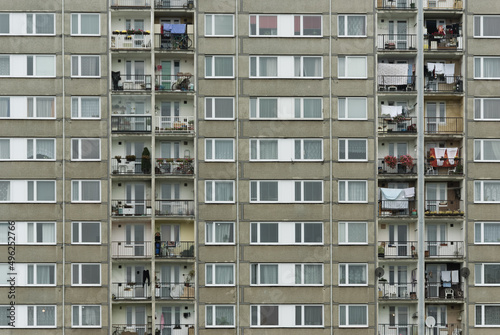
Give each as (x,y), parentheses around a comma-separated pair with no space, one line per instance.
(130,158)
(146,161)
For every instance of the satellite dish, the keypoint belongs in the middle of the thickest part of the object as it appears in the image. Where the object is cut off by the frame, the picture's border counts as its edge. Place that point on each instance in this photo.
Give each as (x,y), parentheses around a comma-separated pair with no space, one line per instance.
(465,272)
(430,321)
(379,272)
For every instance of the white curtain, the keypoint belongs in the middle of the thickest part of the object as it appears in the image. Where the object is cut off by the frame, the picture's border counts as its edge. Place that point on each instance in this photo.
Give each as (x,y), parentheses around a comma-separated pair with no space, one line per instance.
(491,109)
(491,25)
(491,232)
(46,232)
(90,24)
(45,66)
(45,274)
(224,274)
(312,149)
(44,107)
(4,190)
(491,67)
(357,274)
(268,66)
(356,149)
(90,107)
(224,191)
(357,315)
(224,315)
(311,67)
(313,274)
(45,316)
(356,191)
(491,150)
(90,316)
(268,108)
(223,66)
(4,149)
(268,274)
(224,232)
(312,108)
(223,149)
(89,65)
(491,315)
(45,149)
(491,191)
(4,106)
(356,67)
(356,108)
(268,149)
(356,26)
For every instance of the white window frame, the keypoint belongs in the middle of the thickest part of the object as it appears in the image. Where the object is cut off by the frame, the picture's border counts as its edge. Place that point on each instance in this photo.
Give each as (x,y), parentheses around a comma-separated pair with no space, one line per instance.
(79,58)
(284,184)
(80,227)
(23,233)
(346,112)
(346,24)
(283,233)
(346,233)
(79,283)
(481,151)
(257,308)
(284,146)
(346,195)
(213,25)
(302,151)
(35,149)
(214,320)
(213,151)
(479,227)
(481,26)
(213,76)
(282,272)
(79,111)
(21,316)
(35,270)
(280,59)
(279,28)
(35,75)
(481,323)
(35,186)
(214,183)
(80,191)
(480,102)
(481,182)
(480,267)
(347,325)
(35,110)
(79,325)
(35,18)
(303,316)
(346,149)
(347,279)
(212,226)
(481,61)
(346,70)
(214,276)
(284,104)
(79,158)
(212,102)
(79,16)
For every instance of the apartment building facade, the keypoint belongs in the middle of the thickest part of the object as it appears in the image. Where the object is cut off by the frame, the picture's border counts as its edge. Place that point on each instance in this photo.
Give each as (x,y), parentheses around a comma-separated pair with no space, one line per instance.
(222,167)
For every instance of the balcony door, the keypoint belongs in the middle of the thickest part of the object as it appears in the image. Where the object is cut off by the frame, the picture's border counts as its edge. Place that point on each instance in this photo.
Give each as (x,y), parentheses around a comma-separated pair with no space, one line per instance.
(435,115)
(136,197)
(439,314)
(135,275)
(436,196)
(398,32)
(170,111)
(136,318)
(134,148)
(170,233)
(134,238)
(134,70)
(169,194)
(398,239)
(406,210)
(171,319)
(171,286)
(433,277)
(170,149)
(436,235)
(398,281)
(169,70)
(398,319)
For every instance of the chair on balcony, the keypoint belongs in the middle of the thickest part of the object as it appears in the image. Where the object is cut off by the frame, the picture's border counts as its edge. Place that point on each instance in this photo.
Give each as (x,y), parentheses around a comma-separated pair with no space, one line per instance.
(449,293)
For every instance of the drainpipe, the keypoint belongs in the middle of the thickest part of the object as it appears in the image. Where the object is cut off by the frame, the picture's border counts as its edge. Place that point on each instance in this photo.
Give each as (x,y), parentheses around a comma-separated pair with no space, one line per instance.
(63,119)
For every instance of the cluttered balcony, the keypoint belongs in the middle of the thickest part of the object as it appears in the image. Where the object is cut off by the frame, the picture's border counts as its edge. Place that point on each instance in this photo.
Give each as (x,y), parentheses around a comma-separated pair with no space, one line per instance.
(397,249)
(397,42)
(174,167)
(179,83)
(174,249)
(444,161)
(397,291)
(396,4)
(130,40)
(131,291)
(171,4)
(443,4)
(402,165)
(131,249)
(398,202)
(183,208)
(130,82)
(131,207)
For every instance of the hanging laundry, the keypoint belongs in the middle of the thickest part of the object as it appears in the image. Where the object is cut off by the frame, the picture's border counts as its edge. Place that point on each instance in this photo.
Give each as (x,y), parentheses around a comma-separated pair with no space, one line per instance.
(393,198)
(449,72)
(440,152)
(392,110)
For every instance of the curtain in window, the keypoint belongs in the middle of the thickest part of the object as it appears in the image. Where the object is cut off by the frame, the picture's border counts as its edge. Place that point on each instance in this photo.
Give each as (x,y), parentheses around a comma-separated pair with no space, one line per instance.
(356,67)
(342,67)
(356,232)
(44,107)
(223,149)
(491,109)
(268,149)
(4,23)
(90,190)
(312,108)
(356,191)
(223,66)
(46,232)
(31,316)
(268,108)
(45,66)
(223,232)
(90,316)
(491,150)
(341,19)
(491,273)
(491,232)
(313,274)
(356,108)
(223,24)
(5,66)
(357,274)
(357,315)
(45,190)
(357,149)
(224,315)
(312,149)
(313,316)
(356,25)
(312,67)
(223,274)
(45,316)
(269,274)
(492,315)
(491,26)
(4,316)
(223,191)
(268,66)
(44,23)
(4,106)
(90,107)
(4,149)
(90,24)
(491,191)
(45,274)
(491,67)
(89,65)
(45,149)
(4,190)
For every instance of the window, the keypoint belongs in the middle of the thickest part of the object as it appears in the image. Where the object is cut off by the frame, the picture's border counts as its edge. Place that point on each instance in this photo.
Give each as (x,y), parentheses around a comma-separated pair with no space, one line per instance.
(219,108)
(353,233)
(279,233)
(4,23)
(285,149)
(486,67)
(41,107)
(264,149)
(219,25)
(286,108)
(86,316)
(85,149)
(41,274)
(351,149)
(308,149)
(487,316)
(219,67)
(40,24)
(352,67)
(353,191)
(309,191)
(86,191)
(28,316)
(41,66)
(4,105)
(83,274)
(352,25)
(353,274)
(85,107)
(219,191)
(286,191)
(41,191)
(219,274)
(5,149)
(487,233)
(353,316)
(487,26)
(30,232)
(41,149)
(5,66)
(219,316)
(85,24)
(286,316)
(485,109)
(487,274)
(86,233)
(286,67)
(435,113)
(86,66)
(486,191)
(4,190)
(285,25)
(487,150)
(352,108)
(308,316)
(287,274)
(27,148)
(264,315)
(219,150)
(219,232)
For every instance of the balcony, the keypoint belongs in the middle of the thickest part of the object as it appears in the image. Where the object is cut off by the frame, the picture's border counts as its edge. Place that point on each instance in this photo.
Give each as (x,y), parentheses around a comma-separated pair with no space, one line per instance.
(131,291)
(443,125)
(444,208)
(130,3)
(130,328)
(174,124)
(412,329)
(444,84)
(437,290)
(444,249)
(444,161)
(180,83)
(167,4)
(391,249)
(399,291)
(130,123)
(124,167)
(393,83)
(131,249)
(443,4)
(181,167)
(396,4)
(402,125)
(397,42)
(135,41)
(174,249)
(130,82)
(174,208)
(175,42)
(399,168)
(177,329)
(131,207)
(397,208)
(171,290)
(450,42)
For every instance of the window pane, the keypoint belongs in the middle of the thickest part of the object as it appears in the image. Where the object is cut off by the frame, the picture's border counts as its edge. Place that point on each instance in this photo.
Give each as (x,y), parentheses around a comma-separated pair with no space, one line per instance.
(356,67)
(356,108)
(89,107)
(356,26)
(313,316)
(90,274)
(208,66)
(223,24)
(268,25)
(491,109)
(90,65)
(313,191)
(268,233)
(491,67)
(357,149)
(268,274)
(45,66)
(223,66)
(491,26)
(45,107)
(90,24)
(4,65)
(4,106)
(357,232)
(4,23)
(491,150)
(223,149)
(268,66)
(312,25)
(491,232)
(492,273)
(268,315)
(357,191)
(45,191)
(45,316)
(90,191)
(357,315)
(491,315)
(224,108)
(313,232)
(312,108)
(45,23)
(311,67)
(268,149)
(268,108)
(223,191)
(91,232)
(268,191)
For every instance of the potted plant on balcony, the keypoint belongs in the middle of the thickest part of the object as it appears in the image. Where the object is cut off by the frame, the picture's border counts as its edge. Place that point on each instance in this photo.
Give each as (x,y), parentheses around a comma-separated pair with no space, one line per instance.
(130,158)
(146,161)
(391,161)
(381,251)
(118,159)
(189,277)
(406,161)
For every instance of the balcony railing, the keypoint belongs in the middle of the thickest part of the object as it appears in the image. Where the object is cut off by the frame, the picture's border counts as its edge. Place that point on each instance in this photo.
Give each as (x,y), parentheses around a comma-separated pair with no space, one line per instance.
(396,83)
(444,125)
(174,329)
(435,289)
(174,249)
(445,208)
(131,207)
(174,83)
(397,291)
(392,249)
(449,42)
(444,84)
(384,168)
(443,4)
(403,125)
(396,4)
(439,170)
(131,249)
(130,3)
(173,291)
(179,167)
(397,208)
(174,207)
(122,166)
(165,4)
(397,329)
(174,124)
(174,42)
(397,42)
(131,82)
(130,123)
(134,328)
(131,291)
(444,249)
(136,41)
